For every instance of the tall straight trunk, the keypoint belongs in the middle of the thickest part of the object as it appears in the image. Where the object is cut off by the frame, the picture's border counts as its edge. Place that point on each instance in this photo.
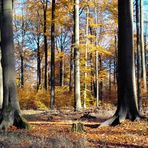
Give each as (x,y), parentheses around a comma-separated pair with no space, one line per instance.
(77,97)
(38,64)
(22,70)
(45,44)
(97,63)
(71,65)
(138,54)
(115,61)
(62,66)
(11,110)
(110,82)
(1,75)
(101,81)
(143,70)
(52,95)
(127,97)
(86,57)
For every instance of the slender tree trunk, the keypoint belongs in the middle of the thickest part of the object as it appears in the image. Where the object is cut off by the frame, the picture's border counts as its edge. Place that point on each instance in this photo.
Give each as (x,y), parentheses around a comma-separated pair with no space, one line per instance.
(71,65)
(22,70)
(97,63)
(138,55)
(143,70)
(101,81)
(38,64)
(77,97)
(52,95)
(45,44)
(110,82)
(11,110)
(86,57)
(62,67)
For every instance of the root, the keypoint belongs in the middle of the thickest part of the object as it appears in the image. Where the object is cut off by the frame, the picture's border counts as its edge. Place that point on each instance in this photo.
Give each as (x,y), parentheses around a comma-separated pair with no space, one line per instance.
(11,117)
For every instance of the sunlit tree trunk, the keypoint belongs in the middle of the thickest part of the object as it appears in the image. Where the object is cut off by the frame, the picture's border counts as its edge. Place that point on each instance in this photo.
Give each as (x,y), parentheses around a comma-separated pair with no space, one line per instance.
(143,70)
(97,63)
(11,110)
(127,97)
(52,79)
(77,97)
(86,57)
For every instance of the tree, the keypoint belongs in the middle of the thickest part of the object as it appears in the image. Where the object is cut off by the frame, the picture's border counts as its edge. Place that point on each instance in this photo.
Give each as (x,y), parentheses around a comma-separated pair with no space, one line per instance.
(143,70)
(45,42)
(52,97)
(127,97)
(11,110)
(77,97)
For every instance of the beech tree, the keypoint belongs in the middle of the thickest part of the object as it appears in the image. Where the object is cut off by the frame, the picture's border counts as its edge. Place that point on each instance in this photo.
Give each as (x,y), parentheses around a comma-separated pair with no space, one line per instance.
(10,114)
(77,97)
(127,97)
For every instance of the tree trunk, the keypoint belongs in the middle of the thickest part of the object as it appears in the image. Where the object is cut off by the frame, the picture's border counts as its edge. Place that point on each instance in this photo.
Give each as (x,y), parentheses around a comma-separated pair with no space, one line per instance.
(45,44)
(127,97)
(96,63)
(11,110)
(77,97)
(71,65)
(38,64)
(52,95)
(143,70)
(86,57)
(138,55)
(62,67)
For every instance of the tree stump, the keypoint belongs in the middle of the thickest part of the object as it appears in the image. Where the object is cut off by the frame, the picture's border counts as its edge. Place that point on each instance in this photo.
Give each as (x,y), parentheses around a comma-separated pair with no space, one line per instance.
(78,127)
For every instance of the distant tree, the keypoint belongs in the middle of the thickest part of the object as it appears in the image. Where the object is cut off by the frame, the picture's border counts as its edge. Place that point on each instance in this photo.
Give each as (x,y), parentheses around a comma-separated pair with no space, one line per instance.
(10,114)
(77,97)
(127,97)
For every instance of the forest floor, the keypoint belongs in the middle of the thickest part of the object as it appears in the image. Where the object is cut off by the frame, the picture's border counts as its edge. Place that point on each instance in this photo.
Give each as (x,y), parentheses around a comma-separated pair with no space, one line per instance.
(52,129)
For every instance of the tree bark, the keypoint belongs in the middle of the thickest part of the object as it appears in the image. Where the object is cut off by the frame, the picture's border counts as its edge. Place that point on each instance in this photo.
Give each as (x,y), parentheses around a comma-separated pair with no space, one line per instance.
(143,70)
(138,55)
(77,97)
(127,97)
(11,110)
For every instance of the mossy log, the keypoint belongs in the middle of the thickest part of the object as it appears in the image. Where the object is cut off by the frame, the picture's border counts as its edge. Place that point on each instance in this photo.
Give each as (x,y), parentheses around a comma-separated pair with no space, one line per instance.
(78,127)
(11,117)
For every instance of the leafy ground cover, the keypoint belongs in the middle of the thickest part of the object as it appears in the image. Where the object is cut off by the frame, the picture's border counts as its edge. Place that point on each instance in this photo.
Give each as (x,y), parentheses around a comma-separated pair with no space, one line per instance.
(52,129)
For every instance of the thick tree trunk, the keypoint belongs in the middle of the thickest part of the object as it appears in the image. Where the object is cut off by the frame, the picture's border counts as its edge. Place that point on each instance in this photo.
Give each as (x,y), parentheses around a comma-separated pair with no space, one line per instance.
(11,111)
(77,97)
(127,97)
(52,91)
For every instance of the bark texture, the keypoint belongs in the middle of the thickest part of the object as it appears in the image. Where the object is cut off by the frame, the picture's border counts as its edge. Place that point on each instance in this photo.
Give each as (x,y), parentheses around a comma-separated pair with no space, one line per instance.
(10,114)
